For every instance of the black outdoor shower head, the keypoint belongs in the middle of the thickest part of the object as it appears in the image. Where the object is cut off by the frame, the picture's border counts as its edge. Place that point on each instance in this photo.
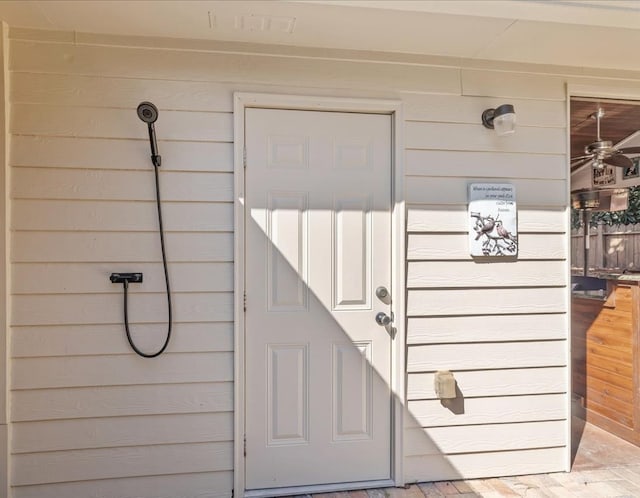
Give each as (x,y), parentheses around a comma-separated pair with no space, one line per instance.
(148,113)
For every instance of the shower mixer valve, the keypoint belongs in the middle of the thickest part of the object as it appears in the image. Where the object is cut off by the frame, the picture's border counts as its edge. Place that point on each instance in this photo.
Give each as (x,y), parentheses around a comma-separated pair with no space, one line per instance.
(121,278)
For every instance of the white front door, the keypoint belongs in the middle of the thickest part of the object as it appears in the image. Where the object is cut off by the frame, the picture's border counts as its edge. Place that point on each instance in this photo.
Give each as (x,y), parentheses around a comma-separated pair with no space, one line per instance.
(318,245)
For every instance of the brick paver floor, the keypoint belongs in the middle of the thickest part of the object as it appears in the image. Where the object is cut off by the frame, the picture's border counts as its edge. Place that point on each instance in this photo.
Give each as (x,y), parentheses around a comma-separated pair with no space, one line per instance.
(604,466)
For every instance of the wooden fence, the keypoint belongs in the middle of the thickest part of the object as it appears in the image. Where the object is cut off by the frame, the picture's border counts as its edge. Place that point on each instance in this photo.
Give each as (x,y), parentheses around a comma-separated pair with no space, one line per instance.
(616,246)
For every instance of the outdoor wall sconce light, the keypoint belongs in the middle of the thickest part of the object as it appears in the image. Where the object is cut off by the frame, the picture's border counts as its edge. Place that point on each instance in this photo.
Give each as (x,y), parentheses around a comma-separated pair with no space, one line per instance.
(502,119)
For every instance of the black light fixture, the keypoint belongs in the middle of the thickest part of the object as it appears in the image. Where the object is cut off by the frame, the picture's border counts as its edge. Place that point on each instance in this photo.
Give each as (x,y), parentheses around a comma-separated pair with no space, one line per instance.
(502,119)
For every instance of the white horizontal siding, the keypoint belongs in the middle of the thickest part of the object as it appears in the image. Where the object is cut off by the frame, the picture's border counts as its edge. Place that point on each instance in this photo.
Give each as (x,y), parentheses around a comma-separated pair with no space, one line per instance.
(124,91)
(63,278)
(485,464)
(35,57)
(99,153)
(85,408)
(58,435)
(500,326)
(429,274)
(93,339)
(62,89)
(122,216)
(118,401)
(464,164)
(99,247)
(477,301)
(454,191)
(76,309)
(487,355)
(461,329)
(74,184)
(495,410)
(107,370)
(104,463)
(63,121)
(512,85)
(466,109)
(191,485)
(447,136)
(91,419)
(477,439)
(108,339)
(483,383)
(453,246)
(531,219)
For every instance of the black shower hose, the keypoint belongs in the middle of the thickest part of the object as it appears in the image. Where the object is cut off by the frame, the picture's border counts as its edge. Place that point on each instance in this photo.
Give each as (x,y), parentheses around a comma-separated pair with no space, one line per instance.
(166,281)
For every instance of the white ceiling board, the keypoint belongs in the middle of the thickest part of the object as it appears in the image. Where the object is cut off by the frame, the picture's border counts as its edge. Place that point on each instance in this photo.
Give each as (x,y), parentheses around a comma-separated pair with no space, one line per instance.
(312,25)
(503,30)
(393,31)
(24,13)
(188,19)
(612,13)
(570,45)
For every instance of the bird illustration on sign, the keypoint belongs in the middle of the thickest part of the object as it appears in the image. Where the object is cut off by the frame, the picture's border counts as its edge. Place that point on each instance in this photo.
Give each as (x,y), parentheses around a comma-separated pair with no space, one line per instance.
(496,239)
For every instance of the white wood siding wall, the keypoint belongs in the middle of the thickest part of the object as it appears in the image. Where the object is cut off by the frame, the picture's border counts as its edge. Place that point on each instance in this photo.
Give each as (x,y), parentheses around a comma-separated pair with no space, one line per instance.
(89,418)
(500,326)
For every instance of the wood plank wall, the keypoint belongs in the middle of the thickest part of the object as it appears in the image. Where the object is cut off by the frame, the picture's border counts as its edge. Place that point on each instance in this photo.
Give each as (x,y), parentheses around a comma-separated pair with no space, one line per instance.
(91,419)
(604,338)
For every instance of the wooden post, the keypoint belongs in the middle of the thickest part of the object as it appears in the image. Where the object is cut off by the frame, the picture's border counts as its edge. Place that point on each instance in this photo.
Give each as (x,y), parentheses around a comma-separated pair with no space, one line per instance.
(586,219)
(600,249)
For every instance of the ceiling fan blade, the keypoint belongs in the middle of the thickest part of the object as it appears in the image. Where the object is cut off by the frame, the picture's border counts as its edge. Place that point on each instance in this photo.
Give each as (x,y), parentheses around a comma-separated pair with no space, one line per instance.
(580,158)
(578,165)
(629,150)
(619,160)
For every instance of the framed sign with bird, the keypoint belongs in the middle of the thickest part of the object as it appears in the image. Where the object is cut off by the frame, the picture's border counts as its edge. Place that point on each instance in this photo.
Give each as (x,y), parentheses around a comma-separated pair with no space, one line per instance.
(493,220)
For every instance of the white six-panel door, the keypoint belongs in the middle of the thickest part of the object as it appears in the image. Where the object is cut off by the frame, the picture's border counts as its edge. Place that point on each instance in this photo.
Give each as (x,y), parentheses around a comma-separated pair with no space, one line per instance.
(318,244)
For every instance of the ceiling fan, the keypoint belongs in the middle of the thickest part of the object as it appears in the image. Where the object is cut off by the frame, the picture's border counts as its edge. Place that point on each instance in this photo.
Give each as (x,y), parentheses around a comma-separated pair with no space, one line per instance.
(602,153)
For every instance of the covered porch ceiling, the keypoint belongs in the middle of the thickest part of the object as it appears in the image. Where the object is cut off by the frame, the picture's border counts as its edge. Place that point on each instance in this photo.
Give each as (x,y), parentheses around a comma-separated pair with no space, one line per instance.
(596,34)
(621,119)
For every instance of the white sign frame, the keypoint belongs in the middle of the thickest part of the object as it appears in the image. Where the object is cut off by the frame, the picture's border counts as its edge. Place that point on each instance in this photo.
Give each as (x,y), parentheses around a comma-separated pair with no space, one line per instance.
(493,220)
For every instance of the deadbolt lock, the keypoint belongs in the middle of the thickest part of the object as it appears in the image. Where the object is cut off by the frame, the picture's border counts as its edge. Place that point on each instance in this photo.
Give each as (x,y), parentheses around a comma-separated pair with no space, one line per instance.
(382,292)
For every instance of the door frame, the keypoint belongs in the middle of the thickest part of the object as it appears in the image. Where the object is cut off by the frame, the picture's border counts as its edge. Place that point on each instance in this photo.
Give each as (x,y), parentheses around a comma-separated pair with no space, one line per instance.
(394,109)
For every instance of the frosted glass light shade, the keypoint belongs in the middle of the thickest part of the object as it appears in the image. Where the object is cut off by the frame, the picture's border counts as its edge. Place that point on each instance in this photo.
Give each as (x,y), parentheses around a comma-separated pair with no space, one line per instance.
(502,119)
(504,122)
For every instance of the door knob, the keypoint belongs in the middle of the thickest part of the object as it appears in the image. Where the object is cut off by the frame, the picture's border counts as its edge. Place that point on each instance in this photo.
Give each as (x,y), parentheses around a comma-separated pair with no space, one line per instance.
(383,319)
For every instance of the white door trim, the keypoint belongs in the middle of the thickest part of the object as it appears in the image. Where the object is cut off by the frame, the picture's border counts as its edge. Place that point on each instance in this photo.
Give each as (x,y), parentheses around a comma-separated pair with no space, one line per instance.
(398,222)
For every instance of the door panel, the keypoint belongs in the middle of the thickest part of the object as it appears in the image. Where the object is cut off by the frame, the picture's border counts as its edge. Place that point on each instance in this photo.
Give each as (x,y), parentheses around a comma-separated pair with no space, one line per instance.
(352,396)
(287,261)
(287,394)
(352,252)
(318,201)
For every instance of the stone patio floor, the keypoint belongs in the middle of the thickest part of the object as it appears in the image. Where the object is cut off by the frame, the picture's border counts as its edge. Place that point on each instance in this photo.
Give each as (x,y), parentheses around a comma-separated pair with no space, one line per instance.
(604,466)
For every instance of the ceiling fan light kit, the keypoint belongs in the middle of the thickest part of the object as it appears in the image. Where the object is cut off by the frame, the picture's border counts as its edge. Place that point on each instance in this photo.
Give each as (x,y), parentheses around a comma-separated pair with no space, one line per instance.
(502,119)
